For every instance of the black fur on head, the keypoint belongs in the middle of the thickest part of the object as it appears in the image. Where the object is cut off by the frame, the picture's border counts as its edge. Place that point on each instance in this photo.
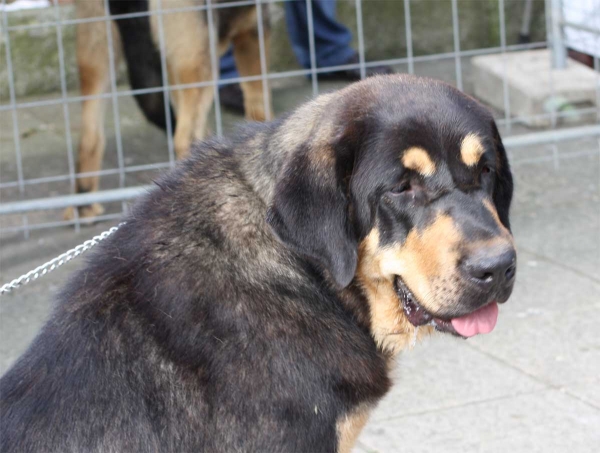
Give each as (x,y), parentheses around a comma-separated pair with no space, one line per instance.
(326,198)
(312,214)
(503,187)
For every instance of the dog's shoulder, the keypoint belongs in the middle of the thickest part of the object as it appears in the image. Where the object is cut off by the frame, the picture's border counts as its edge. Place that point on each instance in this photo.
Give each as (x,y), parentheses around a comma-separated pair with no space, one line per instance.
(195,289)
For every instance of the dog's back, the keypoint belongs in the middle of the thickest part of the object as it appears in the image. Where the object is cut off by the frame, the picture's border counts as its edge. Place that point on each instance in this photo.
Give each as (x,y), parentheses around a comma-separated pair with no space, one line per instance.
(189,330)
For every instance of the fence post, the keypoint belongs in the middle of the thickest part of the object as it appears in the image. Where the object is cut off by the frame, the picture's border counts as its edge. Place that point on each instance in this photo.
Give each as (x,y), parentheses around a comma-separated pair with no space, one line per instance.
(559,51)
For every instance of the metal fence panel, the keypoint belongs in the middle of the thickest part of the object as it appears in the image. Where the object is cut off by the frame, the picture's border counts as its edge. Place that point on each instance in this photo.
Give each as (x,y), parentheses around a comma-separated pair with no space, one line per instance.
(24,207)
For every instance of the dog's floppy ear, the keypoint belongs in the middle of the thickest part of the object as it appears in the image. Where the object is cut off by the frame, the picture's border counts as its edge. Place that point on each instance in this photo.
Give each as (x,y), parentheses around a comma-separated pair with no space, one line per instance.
(310,209)
(503,188)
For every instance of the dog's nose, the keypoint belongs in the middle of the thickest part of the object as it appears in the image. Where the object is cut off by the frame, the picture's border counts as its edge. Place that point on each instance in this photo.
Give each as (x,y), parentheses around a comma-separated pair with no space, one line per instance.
(489,266)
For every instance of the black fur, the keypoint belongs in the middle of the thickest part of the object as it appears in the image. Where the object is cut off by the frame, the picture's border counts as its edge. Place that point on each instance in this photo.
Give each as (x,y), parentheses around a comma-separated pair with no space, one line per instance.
(143,60)
(301,199)
(504,182)
(192,329)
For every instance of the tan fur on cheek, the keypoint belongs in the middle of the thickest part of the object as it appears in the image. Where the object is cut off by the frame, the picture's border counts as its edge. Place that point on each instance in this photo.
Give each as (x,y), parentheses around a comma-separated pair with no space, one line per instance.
(471,150)
(390,328)
(426,261)
(419,160)
(426,257)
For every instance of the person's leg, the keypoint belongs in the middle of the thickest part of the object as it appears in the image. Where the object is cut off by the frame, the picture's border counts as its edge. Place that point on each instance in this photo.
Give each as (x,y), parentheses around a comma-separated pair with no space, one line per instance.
(230,95)
(227,65)
(332,39)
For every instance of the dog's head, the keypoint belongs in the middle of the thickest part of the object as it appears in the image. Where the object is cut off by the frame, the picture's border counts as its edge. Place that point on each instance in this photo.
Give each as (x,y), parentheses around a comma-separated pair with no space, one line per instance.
(402,184)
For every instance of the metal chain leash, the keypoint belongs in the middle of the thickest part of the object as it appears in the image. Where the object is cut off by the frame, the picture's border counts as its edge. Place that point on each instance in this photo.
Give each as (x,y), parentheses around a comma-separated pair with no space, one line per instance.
(48,267)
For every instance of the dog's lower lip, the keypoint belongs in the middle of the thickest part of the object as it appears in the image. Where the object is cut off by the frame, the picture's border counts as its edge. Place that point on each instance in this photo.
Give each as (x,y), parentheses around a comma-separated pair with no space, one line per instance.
(416,314)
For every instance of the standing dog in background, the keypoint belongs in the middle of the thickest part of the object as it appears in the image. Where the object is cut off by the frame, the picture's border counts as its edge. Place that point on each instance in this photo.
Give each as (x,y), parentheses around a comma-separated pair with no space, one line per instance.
(187,48)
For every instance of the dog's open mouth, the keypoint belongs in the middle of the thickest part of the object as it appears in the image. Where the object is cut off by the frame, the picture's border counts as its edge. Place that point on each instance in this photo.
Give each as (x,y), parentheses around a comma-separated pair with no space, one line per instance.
(482,320)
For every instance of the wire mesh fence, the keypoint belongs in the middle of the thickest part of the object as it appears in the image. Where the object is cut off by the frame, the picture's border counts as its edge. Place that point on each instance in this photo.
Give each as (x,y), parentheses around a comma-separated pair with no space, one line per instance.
(41,116)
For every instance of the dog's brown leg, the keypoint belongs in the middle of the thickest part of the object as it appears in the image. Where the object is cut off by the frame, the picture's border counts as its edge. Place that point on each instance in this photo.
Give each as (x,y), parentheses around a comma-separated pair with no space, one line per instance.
(91,147)
(202,109)
(92,61)
(93,65)
(188,60)
(193,104)
(246,51)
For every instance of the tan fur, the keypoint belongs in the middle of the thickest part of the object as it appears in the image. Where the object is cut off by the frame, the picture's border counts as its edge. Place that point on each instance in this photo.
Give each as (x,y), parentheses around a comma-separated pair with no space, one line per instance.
(427,259)
(94,75)
(188,60)
(246,52)
(186,43)
(350,426)
(418,159)
(389,326)
(497,242)
(471,150)
(92,210)
(427,262)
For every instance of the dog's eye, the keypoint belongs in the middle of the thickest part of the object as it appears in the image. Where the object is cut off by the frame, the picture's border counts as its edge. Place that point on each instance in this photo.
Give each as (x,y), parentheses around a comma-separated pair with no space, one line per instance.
(401,188)
(485,170)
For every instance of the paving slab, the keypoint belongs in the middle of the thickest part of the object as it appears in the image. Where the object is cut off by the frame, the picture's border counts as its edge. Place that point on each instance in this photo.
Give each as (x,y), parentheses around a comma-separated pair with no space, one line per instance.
(587,389)
(444,372)
(556,181)
(566,235)
(555,347)
(23,312)
(532,84)
(547,421)
(546,287)
(556,213)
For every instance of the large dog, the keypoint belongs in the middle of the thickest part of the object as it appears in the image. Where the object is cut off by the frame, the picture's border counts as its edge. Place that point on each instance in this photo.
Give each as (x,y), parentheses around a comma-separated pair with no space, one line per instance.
(255,300)
(185,34)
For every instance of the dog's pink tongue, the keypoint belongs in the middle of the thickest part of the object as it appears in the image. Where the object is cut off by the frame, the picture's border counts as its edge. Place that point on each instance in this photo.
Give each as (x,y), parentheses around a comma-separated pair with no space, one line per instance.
(480,321)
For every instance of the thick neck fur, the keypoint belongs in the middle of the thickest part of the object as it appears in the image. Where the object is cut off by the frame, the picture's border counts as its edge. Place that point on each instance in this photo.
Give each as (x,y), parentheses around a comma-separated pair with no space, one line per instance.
(263,157)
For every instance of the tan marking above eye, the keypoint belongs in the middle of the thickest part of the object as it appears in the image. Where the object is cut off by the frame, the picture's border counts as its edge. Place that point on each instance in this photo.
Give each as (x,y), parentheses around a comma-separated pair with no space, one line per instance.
(419,160)
(471,150)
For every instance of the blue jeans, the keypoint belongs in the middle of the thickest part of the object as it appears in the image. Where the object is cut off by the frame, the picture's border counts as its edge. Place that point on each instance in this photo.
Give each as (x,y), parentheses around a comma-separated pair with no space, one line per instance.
(332,39)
